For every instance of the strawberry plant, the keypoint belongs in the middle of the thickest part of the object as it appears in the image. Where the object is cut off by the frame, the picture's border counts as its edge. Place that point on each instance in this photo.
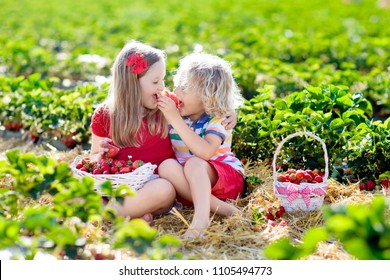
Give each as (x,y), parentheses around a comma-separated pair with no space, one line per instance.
(62,226)
(338,117)
(362,230)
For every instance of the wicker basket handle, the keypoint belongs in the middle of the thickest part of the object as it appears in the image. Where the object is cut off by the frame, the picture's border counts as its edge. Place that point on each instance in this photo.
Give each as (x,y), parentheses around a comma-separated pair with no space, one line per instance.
(301,134)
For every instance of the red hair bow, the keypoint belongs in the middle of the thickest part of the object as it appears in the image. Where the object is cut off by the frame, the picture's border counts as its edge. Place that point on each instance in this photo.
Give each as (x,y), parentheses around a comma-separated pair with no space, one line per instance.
(138,63)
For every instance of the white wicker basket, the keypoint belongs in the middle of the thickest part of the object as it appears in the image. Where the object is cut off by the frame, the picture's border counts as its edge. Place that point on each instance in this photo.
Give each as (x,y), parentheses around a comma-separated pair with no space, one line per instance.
(305,196)
(135,179)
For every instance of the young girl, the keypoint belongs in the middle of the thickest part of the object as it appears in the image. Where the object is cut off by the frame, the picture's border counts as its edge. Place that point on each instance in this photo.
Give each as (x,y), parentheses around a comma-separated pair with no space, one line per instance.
(206,172)
(130,119)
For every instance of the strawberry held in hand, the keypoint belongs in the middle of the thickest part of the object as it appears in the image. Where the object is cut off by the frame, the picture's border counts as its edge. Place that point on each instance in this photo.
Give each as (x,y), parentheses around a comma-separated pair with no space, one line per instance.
(112,151)
(172,96)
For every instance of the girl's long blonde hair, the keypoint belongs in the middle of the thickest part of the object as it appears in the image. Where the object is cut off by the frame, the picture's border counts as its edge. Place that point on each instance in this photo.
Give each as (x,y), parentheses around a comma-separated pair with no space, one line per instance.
(125,99)
(211,77)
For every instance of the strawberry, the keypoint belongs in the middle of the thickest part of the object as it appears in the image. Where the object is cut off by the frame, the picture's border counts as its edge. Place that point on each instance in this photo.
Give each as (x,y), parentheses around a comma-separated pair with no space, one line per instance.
(137,164)
(172,96)
(114,170)
(278,214)
(385,183)
(125,169)
(370,185)
(281,208)
(112,151)
(308,177)
(300,175)
(286,178)
(318,179)
(270,216)
(362,186)
(96,171)
(79,165)
(308,171)
(84,169)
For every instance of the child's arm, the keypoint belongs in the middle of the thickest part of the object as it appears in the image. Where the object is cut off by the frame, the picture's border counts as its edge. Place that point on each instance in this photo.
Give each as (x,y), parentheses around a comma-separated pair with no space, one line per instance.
(204,148)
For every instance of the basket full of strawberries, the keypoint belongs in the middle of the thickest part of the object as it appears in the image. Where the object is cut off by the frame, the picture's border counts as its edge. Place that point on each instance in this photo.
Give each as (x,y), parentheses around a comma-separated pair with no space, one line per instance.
(119,172)
(301,189)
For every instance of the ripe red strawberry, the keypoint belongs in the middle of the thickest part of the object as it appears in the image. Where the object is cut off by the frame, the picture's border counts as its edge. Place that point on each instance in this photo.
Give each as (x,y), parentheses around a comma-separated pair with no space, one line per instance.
(270,216)
(300,175)
(137,164)
(96,171)
(84,169)
(308,171)
(362,186)
(308,177)
(370,185)
(172,96)
(278,214)
(125,169)
(112,151)
(79,165)
(385,183)
(281,208)
(318,179)
(114,170)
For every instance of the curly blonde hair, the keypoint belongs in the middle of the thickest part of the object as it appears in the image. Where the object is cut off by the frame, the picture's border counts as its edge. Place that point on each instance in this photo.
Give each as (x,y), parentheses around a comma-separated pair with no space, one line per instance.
(211,77)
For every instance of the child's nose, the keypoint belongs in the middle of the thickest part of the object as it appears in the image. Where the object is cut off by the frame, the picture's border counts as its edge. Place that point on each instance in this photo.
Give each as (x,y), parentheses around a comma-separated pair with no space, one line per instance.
(161,86)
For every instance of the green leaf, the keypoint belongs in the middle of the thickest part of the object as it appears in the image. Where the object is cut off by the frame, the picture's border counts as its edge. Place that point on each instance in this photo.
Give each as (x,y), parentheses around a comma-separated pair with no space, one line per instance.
(337,123)
(13,155)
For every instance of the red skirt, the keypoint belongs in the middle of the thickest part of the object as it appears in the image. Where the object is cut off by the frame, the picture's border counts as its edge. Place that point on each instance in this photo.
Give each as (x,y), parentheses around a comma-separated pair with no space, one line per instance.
(230,182)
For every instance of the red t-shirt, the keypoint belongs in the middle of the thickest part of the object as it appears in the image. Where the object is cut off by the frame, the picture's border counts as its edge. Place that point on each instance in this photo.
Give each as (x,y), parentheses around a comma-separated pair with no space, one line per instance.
(154,148)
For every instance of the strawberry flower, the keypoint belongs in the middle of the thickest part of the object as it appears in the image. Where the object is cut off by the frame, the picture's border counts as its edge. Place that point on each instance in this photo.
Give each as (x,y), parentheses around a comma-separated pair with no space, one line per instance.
(137,62)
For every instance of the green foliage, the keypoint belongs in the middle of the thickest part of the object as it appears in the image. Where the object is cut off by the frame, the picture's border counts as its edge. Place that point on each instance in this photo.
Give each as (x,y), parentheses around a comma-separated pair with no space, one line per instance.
(282,249)
(48,112)
(267,43)
(361,229)
(58,227)
(338,117)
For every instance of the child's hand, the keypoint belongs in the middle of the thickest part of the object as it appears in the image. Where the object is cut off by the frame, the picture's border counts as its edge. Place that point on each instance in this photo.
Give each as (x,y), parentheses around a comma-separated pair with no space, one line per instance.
(168,107)
(172,96)
(106,149)
(230,120)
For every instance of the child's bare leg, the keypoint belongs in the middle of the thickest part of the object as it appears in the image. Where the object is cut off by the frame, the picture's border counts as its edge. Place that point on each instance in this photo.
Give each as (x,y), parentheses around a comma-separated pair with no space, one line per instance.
(200,176)
(222,208)
(156,197)
(173,171)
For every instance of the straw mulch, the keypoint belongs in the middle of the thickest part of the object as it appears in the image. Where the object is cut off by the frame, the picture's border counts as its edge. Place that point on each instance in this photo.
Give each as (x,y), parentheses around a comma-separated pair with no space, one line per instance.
(237,237)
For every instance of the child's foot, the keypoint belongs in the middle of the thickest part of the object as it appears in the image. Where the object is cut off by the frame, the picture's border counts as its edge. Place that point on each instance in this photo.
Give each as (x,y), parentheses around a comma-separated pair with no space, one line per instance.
(196,230)
(194,233)
(148,218)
